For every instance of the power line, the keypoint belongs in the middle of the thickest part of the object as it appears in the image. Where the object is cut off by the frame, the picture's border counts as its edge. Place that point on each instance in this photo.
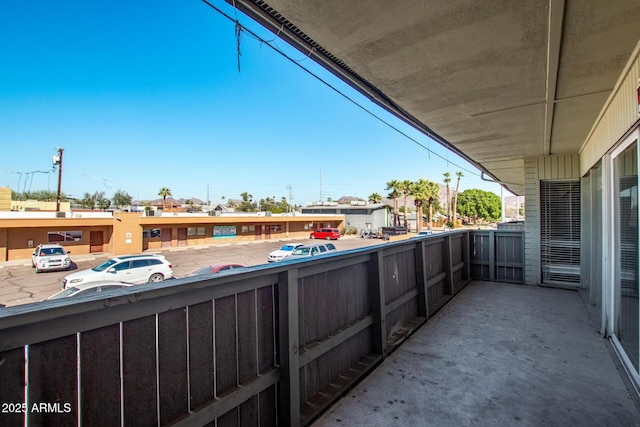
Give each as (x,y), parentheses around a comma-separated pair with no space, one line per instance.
(297,63)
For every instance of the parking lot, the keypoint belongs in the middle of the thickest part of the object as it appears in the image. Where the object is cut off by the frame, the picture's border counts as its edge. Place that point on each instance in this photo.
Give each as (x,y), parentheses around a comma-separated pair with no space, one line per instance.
(19,283)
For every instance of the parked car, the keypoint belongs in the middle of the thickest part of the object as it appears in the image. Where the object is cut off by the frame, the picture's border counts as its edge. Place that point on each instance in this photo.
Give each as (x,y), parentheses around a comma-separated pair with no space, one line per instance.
(217,268)
(52,256)
(90,288)
(135,269)
(326,233)
(312,250)
(283,252)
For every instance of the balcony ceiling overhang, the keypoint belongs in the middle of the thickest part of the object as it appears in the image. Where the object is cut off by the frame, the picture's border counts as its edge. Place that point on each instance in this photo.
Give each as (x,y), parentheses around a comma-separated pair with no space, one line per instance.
(494,80)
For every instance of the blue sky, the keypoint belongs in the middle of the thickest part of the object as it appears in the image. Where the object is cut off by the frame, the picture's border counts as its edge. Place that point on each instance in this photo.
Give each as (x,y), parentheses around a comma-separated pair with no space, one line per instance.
(148,95)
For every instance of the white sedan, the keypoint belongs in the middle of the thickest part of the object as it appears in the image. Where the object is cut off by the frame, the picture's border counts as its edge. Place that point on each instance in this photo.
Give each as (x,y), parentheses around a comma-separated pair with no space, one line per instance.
(283,252)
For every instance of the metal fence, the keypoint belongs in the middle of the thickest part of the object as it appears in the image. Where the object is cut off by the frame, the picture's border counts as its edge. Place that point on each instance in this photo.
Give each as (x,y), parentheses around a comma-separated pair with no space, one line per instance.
(275,345)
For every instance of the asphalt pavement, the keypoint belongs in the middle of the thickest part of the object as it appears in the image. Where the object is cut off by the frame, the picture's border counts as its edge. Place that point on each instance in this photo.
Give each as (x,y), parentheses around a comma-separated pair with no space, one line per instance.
(20,284)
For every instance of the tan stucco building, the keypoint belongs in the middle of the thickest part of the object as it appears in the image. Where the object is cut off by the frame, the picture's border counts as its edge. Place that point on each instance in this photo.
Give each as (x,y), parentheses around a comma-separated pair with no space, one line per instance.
(129,233)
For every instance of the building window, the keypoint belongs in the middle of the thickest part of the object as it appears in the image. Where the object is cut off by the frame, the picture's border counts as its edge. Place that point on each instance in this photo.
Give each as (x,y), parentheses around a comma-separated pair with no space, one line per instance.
(150,233)
(195,231)
(560,232)
(248,229)
(64,236)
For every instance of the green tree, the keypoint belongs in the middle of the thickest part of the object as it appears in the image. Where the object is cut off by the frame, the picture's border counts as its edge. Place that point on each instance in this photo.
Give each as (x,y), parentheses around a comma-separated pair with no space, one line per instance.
(269,204)
(164,192)
(247,204)
(88,201)
(394,186)
(40,195)
(479,204)
(459,174)
(272,205)
(284,205)
(121,199)
(405,187)
(102,202)
(375,198)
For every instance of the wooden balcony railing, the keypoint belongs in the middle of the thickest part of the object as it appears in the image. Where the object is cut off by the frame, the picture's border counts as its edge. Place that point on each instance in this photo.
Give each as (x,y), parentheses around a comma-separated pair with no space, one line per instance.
(274,345)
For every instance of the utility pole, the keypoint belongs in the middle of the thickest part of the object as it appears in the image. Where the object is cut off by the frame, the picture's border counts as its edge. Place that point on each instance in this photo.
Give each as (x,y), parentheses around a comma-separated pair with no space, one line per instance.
(57,161)
(290,196)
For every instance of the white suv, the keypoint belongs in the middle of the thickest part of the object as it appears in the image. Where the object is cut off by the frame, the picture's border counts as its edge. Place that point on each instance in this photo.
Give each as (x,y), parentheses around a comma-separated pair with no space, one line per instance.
(315,249)
(50,257)
(135,269)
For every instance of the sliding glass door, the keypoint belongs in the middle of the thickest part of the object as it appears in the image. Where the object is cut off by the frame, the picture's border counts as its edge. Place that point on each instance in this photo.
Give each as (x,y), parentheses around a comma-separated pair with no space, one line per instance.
(625,250)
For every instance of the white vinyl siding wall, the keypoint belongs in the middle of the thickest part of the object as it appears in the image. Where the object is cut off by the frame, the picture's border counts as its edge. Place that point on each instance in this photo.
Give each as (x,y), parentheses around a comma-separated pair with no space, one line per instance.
(617,117)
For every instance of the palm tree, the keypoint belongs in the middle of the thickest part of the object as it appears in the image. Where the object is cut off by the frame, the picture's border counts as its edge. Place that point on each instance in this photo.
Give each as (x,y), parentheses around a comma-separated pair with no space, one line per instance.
(459,174)
(447,180)
(394,186)
(375,198)
(433,199)
(425,191)
(418,191)
(405,187)
(164,192)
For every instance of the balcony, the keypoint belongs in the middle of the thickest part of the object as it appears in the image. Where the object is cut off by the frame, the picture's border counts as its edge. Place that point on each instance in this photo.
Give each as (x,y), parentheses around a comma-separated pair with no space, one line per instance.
(279,344)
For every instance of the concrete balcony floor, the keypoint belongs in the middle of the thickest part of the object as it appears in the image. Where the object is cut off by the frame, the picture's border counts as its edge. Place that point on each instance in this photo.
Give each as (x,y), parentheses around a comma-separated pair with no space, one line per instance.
(497,354)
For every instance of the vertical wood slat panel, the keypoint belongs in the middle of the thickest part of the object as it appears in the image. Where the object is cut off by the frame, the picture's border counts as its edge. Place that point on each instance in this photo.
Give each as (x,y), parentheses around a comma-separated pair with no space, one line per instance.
(172,364)
(53,379)
(247,329)
(309,320)
(311,386)
(377,291)
(289,345)
(321,307)
(12,384)
(202,373)
(225,344)
(267,403)
(139,371)
(266,328)
(100,376)
(334,304)
(248,412)
(230,419)
(302,391)
(421,277)
(324,371)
